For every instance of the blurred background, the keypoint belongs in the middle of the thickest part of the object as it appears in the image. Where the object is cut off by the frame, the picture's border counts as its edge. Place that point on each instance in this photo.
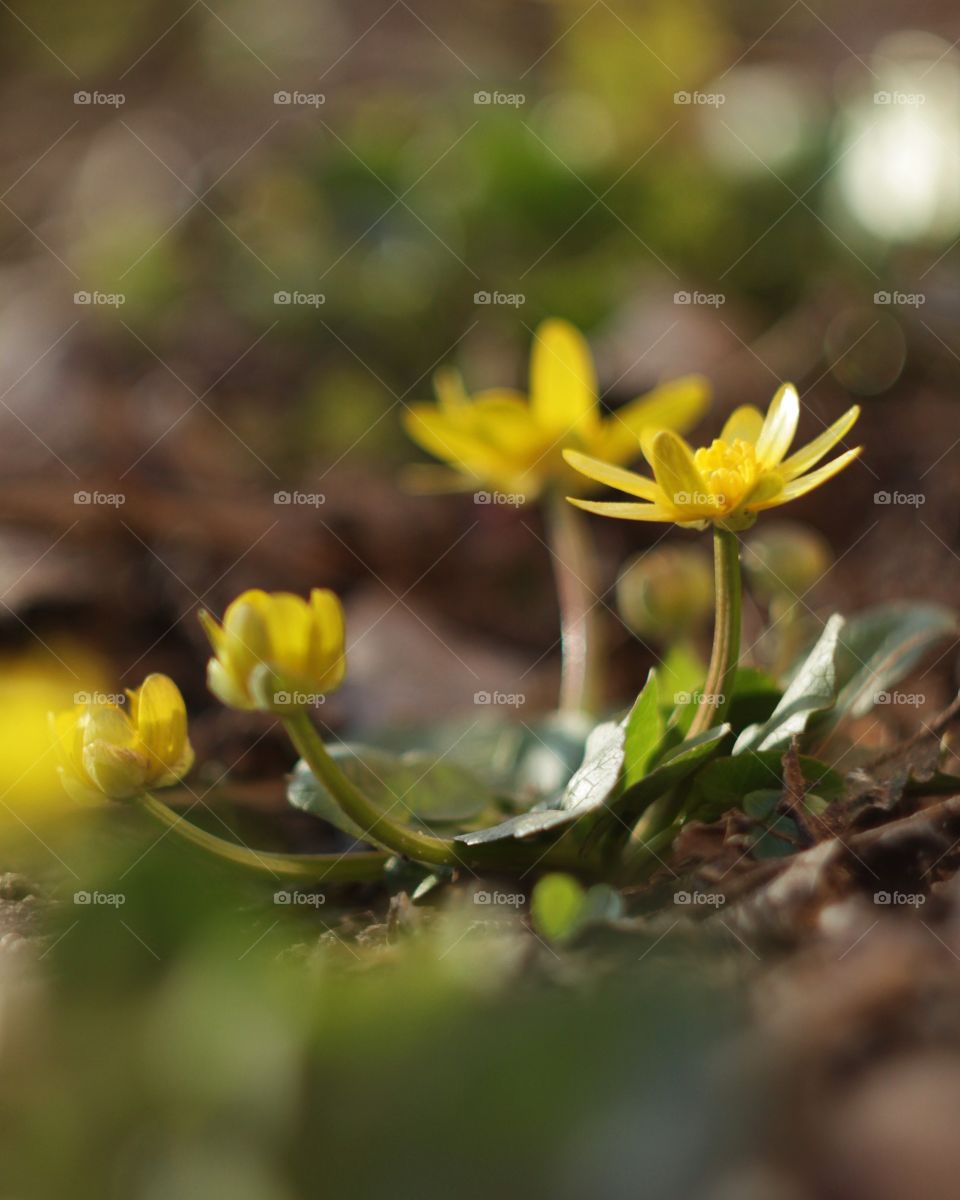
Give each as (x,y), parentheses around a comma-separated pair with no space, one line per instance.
(235,241)
(234,245)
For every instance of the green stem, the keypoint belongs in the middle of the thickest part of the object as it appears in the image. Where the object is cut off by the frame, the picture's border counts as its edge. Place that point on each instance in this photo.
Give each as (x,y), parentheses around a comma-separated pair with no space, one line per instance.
(574,573)
(642,856)
(725,657)
(378,827)
(313,868)
(510,856)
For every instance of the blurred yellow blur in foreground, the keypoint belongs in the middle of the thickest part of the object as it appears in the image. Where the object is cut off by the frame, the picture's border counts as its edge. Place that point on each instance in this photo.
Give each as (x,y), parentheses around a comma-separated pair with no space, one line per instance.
(31,687)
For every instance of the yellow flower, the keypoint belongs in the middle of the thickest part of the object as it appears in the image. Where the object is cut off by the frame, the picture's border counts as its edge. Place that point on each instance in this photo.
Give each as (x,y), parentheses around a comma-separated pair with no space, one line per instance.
(276,651)
(106,751)
(727,483)
(502,440)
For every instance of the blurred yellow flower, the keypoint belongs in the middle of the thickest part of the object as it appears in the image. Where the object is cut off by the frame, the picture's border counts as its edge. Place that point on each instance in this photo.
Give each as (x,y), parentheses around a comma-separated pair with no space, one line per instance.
(276,651)
(501,439)
(107,751)
(729,482)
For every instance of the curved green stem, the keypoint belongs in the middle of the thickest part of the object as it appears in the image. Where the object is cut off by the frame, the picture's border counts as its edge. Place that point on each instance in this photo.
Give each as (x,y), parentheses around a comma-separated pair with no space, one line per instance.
(378,827)
(308,868)
(575,576)
(725,657)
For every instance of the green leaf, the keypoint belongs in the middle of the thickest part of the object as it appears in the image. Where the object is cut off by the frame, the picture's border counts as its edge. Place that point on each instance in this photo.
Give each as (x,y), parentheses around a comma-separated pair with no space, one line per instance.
(882,645)
(416,788)
(726,782)
(765,843)
(755,695)
(673,769)
(680,674)
(524,761)
(593,784)
(556,906)
(560,907)
(645,727)
(812,689)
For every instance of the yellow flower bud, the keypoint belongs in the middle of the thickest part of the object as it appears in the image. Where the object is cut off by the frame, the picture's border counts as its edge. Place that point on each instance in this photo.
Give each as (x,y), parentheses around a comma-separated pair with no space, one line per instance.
(106,751)
(275,651)
(666,593)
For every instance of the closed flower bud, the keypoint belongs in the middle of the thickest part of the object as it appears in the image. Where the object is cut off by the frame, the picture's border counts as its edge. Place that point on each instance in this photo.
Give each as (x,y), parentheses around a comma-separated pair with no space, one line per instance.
(106,751)
(666,593)
(274,650)
(785,559)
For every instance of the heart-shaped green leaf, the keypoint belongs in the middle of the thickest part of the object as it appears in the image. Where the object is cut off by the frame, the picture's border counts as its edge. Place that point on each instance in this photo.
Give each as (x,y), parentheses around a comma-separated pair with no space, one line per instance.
(879,647)
(416,788)
(812,689)
(591,786)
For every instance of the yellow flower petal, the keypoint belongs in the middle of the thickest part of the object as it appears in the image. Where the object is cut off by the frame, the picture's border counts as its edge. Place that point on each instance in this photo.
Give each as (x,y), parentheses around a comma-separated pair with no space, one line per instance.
(118,771)
(676,472)
(626,511)
(278,642)
(563,383)
(160,717)
(615,477)
(443,437)
(809,455)
(677,404)
(806,483)
(779,426)
(766,487)
(227,689)
(327,662)
(744,423)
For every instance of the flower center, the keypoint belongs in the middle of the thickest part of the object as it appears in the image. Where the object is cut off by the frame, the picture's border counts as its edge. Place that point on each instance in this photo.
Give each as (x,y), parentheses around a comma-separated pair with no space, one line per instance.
(729,469)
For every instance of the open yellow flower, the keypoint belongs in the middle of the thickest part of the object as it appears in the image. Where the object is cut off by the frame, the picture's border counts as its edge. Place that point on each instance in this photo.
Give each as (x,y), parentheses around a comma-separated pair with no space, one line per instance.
(729,482)
(275,651)
(105,750)
(501,439)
